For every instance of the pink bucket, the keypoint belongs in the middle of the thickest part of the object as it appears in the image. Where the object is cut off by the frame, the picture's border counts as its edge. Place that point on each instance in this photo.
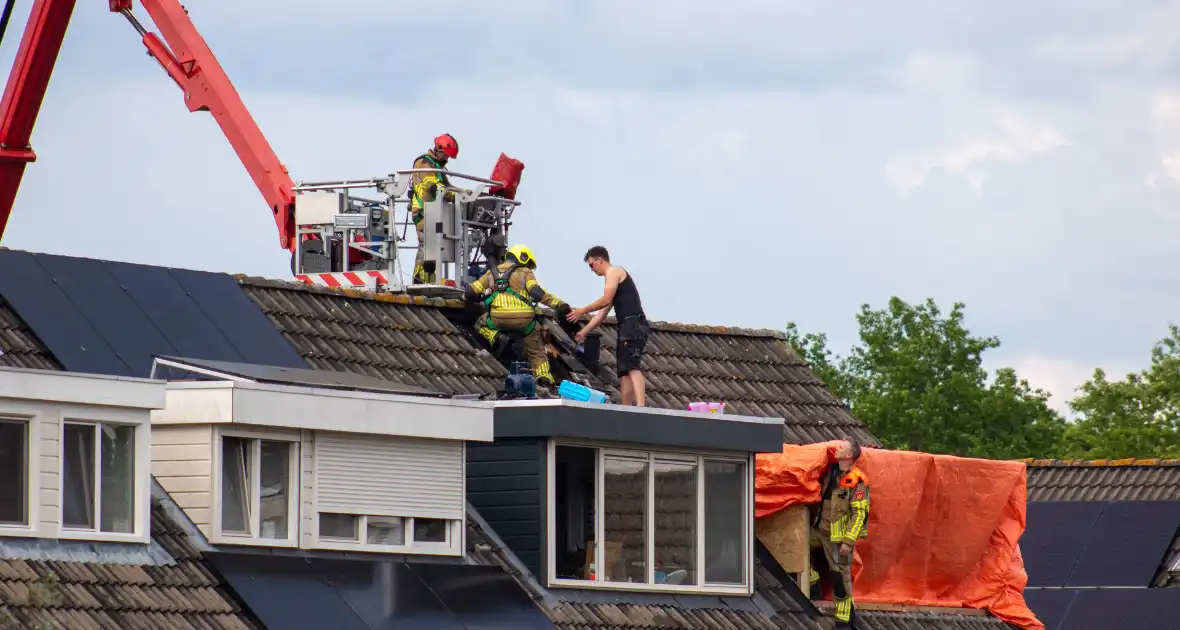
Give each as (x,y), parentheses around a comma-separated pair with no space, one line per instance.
(707,407)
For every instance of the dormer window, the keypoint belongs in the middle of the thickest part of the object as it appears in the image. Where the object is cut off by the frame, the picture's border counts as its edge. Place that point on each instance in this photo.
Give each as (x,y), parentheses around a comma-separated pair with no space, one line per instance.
(98,477)
(75,455)
(640,519)
(333,462)
(258,478)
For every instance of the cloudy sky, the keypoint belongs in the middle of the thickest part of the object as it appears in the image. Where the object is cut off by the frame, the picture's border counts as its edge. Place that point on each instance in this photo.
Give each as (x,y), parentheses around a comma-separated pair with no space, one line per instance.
(750,162)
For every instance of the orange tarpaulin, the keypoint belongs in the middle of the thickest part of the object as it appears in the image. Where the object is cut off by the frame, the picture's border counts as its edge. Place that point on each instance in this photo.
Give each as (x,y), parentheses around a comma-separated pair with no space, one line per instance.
(943,530)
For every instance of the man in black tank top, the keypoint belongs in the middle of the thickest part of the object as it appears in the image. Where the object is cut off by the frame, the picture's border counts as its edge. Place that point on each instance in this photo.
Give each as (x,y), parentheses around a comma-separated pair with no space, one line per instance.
(622,296)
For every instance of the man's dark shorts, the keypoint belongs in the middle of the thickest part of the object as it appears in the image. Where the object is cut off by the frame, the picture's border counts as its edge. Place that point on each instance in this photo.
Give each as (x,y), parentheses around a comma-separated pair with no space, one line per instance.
(633,332)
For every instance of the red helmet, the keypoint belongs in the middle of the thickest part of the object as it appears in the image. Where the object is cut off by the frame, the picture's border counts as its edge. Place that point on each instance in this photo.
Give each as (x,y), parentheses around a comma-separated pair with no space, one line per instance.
(448,145)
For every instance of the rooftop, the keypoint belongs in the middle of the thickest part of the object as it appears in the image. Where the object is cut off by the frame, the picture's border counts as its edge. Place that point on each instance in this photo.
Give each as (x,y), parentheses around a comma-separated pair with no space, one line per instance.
(62,313)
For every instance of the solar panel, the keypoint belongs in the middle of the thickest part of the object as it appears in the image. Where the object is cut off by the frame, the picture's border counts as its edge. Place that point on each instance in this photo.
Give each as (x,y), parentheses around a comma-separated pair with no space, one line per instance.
(1053,538)
(1129,608)
(173,312)
(112,318)
(482,597)
(74,341)
(286,592)
(244,325)
(1127,544)
(387,594)
(99,298)
(302,376)
(1049,605)
(348,594)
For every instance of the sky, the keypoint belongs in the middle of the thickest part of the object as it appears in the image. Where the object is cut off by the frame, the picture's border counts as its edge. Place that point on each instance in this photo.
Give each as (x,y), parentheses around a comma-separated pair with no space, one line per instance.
(750,163)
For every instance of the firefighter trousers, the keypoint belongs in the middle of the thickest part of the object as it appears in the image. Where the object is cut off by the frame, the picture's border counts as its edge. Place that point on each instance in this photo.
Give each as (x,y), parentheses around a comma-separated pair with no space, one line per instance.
(420,275)
(534,347)
(841,567)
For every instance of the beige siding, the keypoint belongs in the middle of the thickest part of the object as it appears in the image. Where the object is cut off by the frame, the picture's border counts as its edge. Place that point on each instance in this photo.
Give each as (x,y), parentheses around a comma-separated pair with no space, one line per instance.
(307,513)
(181,462)
(49,510)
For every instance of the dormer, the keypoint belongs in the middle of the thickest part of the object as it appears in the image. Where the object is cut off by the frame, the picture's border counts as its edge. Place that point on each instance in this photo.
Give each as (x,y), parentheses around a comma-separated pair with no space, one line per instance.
(264,456)
(74,452)
(610,497)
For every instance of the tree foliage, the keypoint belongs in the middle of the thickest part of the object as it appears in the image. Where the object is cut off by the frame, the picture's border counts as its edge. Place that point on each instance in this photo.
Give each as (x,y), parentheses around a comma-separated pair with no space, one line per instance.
(917,380)
(1135,417)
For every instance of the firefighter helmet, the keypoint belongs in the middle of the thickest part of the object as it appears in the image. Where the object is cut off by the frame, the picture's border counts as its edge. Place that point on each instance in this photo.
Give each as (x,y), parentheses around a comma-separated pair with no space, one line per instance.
(448,145)
(523,255)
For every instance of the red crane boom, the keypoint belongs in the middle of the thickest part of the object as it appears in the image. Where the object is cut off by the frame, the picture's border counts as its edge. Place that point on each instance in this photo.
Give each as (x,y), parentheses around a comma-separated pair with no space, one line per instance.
(185,57)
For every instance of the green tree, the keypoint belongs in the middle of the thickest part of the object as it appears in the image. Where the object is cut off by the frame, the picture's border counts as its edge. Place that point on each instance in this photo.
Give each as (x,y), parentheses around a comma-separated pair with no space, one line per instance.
(1136,417)
(917,380)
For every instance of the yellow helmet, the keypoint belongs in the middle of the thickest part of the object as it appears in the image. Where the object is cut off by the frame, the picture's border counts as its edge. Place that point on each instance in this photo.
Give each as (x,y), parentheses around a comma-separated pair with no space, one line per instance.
(523,255)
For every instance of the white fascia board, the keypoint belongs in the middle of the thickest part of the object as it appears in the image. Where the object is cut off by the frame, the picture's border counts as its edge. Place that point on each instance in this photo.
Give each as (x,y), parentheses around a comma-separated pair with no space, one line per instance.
(84,389)
(610,407)
(324,409)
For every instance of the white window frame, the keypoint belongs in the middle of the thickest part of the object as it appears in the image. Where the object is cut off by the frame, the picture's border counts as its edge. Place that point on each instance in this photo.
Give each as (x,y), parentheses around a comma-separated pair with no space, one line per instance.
(294,487)
(141,446)
(452,546)
(698,456)
(31,423)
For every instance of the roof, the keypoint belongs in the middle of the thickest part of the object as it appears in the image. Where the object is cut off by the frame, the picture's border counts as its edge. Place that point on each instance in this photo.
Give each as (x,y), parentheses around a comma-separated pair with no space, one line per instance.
(1103,480)
(1111,480)
(416,340)
(82,586)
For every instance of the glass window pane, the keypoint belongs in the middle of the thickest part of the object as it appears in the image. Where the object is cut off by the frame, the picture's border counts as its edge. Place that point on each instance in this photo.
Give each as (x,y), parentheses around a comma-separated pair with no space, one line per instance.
(575,479)
(14,468)
(676,522)
(385,530)
(117,511)
(276,488)
(340,526)
(430,530)
(235,479)
(78,476)
(624,490)
(725,505)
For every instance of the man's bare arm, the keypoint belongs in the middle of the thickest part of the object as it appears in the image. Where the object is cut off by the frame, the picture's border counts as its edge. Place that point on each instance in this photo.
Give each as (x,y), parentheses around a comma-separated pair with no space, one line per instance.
(613,278)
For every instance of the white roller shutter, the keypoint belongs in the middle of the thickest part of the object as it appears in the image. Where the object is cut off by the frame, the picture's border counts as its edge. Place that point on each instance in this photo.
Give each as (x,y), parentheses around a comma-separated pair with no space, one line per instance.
(389,476)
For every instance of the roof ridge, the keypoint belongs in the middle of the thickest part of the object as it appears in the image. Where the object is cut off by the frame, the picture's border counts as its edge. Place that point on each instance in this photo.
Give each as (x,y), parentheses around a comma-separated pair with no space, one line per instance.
(1099,463)
(397,298)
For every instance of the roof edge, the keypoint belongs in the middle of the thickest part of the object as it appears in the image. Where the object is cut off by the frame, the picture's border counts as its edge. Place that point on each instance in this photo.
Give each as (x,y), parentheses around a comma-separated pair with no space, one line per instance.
(1098,463)
(418,300)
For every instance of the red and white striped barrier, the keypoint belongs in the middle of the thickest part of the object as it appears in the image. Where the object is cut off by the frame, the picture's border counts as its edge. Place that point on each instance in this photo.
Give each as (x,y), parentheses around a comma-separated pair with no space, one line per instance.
(344,278)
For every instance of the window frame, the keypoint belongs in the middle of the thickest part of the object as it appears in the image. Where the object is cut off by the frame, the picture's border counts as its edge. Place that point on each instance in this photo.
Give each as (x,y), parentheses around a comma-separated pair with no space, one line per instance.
(653,454)
(294,492)
(140,476)
(453,546)
(32,425)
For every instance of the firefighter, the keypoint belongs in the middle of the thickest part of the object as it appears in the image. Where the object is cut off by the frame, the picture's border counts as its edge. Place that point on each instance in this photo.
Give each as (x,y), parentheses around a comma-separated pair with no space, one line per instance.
(840,521)
(424,187)
(514,292)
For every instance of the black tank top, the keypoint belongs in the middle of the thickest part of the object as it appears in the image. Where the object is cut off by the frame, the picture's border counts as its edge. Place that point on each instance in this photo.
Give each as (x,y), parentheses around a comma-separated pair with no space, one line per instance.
(626,302)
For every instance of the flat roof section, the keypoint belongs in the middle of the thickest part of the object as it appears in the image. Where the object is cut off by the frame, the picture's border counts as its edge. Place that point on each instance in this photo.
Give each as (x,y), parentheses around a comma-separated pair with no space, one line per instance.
(641,425)
(280,375)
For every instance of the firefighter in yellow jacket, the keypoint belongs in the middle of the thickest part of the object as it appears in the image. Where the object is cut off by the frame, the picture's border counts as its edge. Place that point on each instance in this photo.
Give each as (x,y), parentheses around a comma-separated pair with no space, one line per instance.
(425,187)
(840,521)
(514,292)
